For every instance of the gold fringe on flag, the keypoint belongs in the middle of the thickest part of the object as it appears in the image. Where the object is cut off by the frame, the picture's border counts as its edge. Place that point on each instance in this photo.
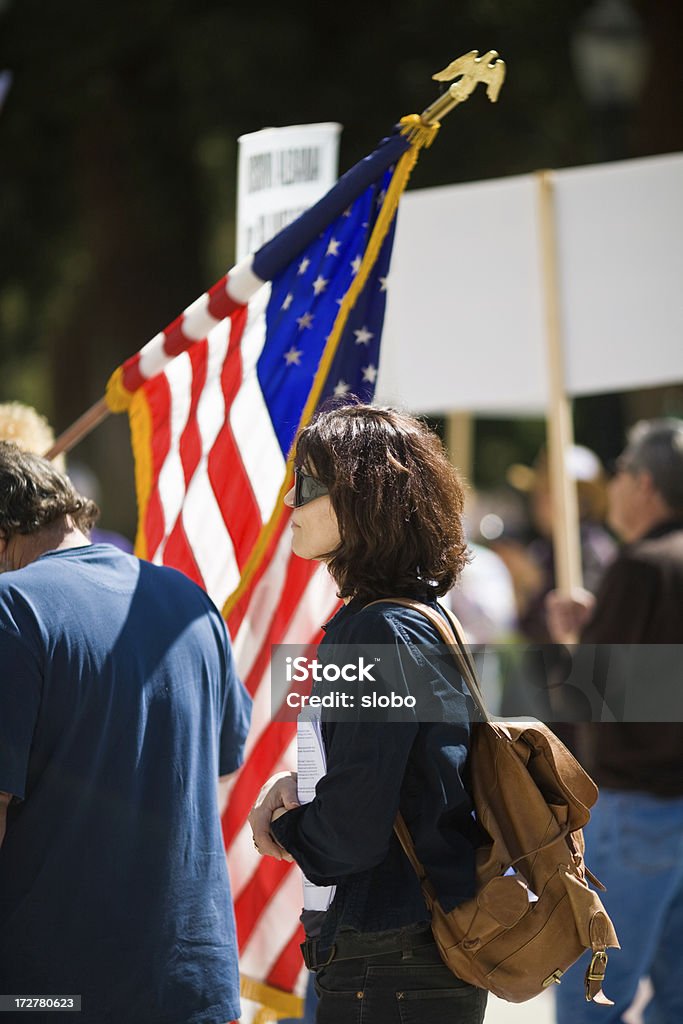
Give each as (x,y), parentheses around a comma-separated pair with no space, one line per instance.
(274,1002)
(140,421)
(117,395)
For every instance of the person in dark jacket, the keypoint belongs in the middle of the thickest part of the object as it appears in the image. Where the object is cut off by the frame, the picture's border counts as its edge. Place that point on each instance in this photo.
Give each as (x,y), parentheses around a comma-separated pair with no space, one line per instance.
(377,500)
(634,842)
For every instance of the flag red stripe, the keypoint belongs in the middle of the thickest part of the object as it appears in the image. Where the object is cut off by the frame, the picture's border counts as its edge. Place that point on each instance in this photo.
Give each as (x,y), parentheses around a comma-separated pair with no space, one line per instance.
(130,372)
(220,303)
(190,446)
(287,967)
(234,494)
(175,341)
(178,553)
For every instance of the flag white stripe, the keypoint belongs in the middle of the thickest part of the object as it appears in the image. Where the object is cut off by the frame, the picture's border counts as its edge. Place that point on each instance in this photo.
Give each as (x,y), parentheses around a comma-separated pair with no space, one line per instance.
(249,417)
(197,321)
(153,359)
(209,539)
(243,282)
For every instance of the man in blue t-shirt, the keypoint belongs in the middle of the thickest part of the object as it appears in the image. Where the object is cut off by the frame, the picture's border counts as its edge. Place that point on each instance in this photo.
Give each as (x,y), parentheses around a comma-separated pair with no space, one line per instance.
(119,709)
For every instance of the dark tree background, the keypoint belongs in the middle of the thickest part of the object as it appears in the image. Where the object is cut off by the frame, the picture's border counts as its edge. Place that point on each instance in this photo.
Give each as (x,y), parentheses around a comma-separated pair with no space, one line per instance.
(118,151)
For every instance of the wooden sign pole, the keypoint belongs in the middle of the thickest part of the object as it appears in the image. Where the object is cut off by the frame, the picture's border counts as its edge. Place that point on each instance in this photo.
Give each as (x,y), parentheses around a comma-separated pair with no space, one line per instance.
(560,431)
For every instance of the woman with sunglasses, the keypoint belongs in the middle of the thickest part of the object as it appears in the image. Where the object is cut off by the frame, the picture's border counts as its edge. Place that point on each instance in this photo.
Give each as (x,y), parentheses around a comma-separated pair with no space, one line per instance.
(377,500)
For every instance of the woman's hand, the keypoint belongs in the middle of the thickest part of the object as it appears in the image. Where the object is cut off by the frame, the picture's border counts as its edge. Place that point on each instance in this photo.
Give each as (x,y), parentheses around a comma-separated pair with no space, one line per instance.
(276,797)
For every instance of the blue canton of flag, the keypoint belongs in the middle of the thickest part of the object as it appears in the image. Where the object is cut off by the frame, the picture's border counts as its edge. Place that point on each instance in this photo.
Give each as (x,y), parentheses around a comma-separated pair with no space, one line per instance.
(304,302)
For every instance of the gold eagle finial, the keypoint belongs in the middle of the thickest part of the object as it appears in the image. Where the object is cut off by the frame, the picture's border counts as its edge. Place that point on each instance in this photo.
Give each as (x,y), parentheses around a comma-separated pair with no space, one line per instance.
(474,69)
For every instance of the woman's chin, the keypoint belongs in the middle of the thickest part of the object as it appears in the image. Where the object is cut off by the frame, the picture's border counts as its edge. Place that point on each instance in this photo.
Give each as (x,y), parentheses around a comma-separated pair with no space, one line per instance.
(298,549)
(306,553)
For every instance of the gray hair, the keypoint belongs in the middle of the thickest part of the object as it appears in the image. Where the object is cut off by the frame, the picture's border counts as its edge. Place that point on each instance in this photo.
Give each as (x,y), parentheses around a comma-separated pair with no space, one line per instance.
(656,446)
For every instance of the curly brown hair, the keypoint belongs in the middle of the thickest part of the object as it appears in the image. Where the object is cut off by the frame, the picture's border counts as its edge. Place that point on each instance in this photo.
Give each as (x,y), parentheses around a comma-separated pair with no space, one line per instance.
(397,498)
(34,494)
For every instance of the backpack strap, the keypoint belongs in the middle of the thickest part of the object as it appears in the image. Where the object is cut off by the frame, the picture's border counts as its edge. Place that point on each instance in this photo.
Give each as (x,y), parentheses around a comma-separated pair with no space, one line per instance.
(454,638)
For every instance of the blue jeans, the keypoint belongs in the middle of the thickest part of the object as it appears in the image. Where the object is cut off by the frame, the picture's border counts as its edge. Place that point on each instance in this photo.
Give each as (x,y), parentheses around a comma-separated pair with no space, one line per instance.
(634,844)
(392,989)
(310,1004)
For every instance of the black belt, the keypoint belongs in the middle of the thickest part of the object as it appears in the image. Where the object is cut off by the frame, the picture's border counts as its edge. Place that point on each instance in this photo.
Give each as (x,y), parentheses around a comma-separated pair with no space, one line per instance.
(351,946)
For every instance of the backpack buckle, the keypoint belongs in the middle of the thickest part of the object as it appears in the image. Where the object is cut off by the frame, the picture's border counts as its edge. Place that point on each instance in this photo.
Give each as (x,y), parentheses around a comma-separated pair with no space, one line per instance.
(553,979)
(595,975)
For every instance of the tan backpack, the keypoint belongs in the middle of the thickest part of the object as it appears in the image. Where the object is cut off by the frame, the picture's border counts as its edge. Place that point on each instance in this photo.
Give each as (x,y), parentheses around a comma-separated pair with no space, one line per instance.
(523,928)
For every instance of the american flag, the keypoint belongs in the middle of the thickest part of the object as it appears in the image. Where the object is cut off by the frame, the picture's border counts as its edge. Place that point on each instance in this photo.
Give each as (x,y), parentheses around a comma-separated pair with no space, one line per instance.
(214,402)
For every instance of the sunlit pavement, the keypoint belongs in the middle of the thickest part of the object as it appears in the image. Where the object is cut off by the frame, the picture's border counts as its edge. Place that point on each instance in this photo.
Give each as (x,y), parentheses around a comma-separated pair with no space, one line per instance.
(540,1010)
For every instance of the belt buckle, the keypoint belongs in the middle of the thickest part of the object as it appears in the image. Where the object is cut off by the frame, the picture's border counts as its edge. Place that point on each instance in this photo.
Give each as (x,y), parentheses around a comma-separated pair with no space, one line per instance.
(333,953)
(308,950)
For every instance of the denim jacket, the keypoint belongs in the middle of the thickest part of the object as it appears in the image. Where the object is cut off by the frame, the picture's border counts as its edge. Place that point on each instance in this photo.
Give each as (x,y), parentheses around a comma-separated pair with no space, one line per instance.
(345,835)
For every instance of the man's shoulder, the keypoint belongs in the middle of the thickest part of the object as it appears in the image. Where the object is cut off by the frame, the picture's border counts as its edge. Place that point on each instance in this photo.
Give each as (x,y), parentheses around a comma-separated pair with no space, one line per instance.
(662,548)
(164,576)
(651,556)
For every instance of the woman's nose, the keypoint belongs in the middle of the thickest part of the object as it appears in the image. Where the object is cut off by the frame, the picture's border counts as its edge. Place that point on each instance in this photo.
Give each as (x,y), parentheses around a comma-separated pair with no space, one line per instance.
(289,498)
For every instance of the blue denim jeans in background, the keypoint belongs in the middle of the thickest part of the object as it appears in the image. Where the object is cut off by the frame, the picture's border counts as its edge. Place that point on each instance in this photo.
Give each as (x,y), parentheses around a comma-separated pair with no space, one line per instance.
(310,1004)
(634,845)
(391,989)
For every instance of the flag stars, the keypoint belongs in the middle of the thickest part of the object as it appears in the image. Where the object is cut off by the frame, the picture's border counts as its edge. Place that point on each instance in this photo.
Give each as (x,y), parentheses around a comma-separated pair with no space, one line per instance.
(333,247)
(293,357)
(381,196)
(355,265)
(305,321)
(341,389)
(369,374)
(363,336)
(303,266)
(320,284)
(347,212)
(289,298)
(383,283)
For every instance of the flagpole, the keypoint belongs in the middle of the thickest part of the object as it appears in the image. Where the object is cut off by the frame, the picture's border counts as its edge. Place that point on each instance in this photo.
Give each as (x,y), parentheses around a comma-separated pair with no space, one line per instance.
(560,430)
(460,442)
(79,429)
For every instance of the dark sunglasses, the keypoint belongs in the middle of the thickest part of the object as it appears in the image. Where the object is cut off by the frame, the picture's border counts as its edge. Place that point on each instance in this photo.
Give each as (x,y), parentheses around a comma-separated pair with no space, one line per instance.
(307,488)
